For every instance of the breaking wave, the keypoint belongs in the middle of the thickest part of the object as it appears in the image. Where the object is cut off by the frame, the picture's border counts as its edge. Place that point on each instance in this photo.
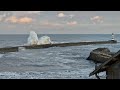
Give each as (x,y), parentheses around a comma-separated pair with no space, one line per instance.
(33,39)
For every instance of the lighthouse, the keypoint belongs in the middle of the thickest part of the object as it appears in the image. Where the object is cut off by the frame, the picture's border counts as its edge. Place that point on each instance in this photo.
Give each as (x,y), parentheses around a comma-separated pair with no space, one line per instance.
(113,37)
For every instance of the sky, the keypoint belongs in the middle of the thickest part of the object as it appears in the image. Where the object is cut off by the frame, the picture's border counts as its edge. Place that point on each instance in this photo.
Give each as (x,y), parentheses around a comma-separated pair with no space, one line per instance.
(60,22)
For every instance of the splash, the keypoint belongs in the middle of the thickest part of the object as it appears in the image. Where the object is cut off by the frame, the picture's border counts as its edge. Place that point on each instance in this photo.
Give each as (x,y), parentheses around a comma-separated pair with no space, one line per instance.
(44,40)
(33,39)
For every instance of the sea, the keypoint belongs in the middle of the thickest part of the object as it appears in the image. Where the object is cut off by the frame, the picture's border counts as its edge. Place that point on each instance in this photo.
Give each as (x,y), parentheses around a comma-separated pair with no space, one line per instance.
(54,62)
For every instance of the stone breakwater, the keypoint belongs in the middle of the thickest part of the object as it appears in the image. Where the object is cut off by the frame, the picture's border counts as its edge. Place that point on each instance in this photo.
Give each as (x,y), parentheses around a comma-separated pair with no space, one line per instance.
(16,49)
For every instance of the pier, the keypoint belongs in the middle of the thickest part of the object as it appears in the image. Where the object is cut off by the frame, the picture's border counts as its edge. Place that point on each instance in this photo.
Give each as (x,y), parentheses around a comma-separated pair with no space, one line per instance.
(16,48)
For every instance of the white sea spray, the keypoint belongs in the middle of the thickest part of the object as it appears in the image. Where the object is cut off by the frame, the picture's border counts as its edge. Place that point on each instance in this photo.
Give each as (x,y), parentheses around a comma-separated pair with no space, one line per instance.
(33,39)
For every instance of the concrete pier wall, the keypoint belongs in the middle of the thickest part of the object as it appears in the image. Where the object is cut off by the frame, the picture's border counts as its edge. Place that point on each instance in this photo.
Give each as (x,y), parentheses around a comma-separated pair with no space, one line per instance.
(15,49)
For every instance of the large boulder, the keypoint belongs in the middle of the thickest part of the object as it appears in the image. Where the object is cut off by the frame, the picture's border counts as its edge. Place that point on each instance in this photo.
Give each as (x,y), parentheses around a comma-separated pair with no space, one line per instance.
(100,55)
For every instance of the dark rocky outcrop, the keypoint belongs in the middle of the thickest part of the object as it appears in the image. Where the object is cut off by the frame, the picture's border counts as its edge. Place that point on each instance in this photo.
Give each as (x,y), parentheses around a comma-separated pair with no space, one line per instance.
(100,55)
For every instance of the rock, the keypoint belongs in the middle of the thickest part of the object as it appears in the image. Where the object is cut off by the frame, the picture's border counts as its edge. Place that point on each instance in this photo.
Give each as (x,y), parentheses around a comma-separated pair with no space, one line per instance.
(100,55)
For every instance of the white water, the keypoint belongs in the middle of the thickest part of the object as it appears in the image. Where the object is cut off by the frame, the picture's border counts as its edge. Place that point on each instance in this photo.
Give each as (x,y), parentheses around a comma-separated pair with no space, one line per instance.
(44,40)
(33,39)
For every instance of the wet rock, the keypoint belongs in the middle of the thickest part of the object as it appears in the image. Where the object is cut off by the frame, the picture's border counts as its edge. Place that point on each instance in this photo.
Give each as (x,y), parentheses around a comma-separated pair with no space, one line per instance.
(100,55)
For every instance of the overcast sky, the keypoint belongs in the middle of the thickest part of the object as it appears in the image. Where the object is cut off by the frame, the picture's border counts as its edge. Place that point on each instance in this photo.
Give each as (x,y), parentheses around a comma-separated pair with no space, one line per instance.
(60,22)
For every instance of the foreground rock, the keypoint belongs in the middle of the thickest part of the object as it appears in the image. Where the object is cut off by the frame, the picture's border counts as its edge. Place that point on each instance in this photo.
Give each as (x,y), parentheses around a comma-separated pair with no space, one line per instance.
(100,55)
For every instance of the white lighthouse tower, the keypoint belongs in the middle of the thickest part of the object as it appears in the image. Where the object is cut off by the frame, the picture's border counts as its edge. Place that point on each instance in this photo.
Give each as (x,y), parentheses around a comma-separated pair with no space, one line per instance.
(113,38)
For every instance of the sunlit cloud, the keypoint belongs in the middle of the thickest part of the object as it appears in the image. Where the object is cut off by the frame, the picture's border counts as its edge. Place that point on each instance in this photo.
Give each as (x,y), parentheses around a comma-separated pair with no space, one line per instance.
(34,12)
(51,24)
(97,19)
(61,15)
(2,17)
(14,19)
(25,20)
(72,23)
